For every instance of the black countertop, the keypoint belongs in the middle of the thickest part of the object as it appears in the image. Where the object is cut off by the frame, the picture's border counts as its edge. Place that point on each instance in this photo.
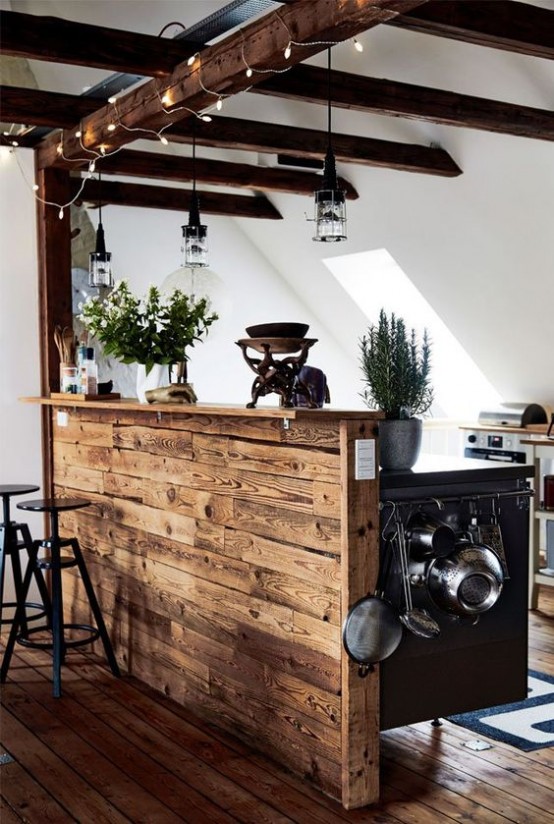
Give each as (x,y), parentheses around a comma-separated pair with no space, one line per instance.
(442,470)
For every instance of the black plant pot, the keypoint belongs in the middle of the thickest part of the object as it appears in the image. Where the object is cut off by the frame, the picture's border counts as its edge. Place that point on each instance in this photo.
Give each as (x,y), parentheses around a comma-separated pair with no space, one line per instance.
(399,443)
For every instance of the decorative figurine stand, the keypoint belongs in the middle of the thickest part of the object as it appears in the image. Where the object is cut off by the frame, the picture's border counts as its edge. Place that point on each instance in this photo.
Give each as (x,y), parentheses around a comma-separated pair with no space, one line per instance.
(279,376)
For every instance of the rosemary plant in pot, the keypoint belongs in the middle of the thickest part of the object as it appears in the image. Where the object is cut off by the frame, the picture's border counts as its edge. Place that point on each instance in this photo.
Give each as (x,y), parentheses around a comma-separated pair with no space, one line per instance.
(153,331)
(396,370)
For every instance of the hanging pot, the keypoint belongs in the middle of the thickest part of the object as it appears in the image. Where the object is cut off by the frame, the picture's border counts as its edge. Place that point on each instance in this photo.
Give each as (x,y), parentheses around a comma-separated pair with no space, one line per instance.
(429,537)
(469,581)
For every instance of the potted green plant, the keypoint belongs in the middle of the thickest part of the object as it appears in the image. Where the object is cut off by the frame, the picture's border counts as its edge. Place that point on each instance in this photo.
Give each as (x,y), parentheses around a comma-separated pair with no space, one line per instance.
(396,369)
(153,331)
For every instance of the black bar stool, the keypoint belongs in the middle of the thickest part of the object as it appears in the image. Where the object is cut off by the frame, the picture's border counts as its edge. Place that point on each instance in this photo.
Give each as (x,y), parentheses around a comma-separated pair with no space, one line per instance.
(14,538)
(56,562)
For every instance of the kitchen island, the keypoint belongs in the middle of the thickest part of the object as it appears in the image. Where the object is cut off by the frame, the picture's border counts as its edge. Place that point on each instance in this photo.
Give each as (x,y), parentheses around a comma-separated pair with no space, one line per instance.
(227,545)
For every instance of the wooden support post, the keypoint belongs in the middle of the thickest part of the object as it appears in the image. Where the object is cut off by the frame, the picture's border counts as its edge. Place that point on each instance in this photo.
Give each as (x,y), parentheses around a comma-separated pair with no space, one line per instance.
(359,566)
(54,289)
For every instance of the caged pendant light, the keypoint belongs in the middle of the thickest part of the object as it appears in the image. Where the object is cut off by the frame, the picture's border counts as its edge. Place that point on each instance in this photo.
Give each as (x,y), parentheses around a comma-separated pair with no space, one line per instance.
(100,261)
(330,204)
(195,234)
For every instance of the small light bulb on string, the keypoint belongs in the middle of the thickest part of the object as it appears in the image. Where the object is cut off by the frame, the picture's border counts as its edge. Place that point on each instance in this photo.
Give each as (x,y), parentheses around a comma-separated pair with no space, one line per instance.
(112,99)
(163,140)
(249,72)
(35,187)
(102,150)
(192,58)
(92,167)
(288,50)
(59,149)
(206,118)
(79,133)
(112,127)
(60,214)
(219,104)
(15,143)
(357,45)
(166,100)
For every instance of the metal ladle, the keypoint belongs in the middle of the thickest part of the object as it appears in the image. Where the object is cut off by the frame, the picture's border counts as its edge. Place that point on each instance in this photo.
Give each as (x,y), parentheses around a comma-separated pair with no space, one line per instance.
(418,621)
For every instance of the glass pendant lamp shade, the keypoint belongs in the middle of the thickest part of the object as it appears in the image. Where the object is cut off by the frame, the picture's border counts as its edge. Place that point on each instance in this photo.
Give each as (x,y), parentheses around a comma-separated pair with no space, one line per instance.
(195,234)
(100,261)
(195,238)
(329,201)
(330,205)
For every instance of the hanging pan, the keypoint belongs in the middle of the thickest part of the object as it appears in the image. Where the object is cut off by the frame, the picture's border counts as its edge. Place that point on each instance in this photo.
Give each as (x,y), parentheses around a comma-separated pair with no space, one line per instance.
(372,630)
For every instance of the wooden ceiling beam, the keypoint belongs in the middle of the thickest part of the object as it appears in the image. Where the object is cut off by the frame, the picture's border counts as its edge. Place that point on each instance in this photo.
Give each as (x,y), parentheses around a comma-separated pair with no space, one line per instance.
(273,138)
(221,68)
(35,107)
(159,166)
(164,197)
(39,108)
(63,41)
(387,97)
(504,24)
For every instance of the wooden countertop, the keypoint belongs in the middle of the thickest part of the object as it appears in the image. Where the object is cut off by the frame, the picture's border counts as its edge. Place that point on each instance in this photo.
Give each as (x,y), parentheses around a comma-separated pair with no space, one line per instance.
(532,429)
(209,409)
(538,441)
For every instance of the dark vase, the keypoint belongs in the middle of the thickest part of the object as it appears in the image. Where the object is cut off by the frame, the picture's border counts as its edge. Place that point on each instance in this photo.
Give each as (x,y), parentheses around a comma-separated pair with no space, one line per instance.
(399,443)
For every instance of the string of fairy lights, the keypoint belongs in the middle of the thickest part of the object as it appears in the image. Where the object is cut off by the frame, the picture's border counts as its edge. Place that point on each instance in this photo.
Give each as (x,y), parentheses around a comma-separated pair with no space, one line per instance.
(93,156)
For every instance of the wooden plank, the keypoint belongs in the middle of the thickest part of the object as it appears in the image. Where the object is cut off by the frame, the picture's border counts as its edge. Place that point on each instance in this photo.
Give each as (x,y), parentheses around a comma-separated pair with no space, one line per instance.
(154,441)
(83,432)
(360,561)
(388,97)
(77,454)
(83,478)
(296,461)
(27,796)
(511,26)
(282,525)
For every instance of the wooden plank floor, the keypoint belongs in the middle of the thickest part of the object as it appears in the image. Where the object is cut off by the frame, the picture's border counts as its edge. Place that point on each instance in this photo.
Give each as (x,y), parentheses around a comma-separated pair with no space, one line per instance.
(113,751)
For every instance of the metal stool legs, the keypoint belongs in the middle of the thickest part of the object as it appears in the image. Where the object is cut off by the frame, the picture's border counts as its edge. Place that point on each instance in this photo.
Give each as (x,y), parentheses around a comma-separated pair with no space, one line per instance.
(56,563)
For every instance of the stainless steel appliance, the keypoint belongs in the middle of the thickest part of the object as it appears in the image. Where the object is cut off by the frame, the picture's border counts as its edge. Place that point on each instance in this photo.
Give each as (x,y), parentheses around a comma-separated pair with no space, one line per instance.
(516,415)
(488,445)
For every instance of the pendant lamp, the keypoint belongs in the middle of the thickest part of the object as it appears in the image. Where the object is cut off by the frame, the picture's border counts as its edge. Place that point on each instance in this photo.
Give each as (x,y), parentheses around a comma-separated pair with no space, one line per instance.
(195,234)
(100,261)
(330,205)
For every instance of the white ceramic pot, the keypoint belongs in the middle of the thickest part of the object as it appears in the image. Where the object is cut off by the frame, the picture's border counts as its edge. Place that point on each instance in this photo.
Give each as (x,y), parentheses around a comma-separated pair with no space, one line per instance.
(158,376)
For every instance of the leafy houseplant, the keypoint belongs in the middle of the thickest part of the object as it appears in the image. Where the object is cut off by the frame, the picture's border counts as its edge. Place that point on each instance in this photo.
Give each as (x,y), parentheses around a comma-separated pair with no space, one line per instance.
(148,330)
(396,369)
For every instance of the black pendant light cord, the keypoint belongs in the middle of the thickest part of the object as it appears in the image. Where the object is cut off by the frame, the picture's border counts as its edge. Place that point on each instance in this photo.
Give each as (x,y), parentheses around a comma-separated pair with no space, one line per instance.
(329,96)
(193,156)
(100,198)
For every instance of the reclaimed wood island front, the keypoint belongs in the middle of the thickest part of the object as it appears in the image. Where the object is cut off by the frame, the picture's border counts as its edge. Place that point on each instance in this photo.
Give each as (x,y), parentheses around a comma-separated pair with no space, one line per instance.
(226,546)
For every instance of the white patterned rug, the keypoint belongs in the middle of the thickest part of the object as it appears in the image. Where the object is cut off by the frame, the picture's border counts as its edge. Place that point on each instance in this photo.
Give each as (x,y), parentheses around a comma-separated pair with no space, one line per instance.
(527,725)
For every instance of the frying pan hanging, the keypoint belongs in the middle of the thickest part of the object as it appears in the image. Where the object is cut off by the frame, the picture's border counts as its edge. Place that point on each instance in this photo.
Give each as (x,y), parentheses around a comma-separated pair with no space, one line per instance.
(372,630)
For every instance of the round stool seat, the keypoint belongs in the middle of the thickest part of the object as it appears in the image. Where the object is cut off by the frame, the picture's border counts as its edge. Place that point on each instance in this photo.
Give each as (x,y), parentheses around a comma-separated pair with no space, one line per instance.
(17,489)
(53,504)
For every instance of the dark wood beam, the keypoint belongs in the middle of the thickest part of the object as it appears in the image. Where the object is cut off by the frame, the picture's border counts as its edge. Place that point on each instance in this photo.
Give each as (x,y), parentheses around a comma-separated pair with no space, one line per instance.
(63,41)
(32,106)
(163,197)
(388,97)
(504,24)
(273,138)
(35,107)
(161,166)
(54,267)
(221,67)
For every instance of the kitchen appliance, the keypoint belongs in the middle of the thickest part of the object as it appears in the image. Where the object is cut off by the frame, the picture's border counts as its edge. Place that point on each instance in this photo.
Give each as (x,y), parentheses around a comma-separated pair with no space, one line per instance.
(516,415)
(505,447)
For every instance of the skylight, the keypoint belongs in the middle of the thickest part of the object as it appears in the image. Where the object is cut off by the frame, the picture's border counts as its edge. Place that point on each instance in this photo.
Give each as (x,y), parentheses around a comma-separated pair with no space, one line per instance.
(373,280)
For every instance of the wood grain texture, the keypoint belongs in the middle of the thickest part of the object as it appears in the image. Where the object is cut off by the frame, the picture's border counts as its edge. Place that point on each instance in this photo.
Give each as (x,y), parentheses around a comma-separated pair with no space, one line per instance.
(224,551)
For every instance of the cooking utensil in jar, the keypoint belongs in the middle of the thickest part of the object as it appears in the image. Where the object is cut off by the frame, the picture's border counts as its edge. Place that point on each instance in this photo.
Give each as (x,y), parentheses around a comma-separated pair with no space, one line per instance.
(372,630)
(417,620)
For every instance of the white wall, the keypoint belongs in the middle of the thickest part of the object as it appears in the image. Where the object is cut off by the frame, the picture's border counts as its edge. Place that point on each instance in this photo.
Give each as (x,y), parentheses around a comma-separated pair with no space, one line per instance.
(20,440)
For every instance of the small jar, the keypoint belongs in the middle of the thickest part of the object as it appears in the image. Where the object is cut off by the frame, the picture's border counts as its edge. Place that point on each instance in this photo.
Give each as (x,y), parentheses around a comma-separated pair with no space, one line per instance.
(69,378)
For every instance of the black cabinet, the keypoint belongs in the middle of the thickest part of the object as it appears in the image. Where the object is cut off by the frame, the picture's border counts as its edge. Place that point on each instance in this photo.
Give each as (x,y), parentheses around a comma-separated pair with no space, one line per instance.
(469,665)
